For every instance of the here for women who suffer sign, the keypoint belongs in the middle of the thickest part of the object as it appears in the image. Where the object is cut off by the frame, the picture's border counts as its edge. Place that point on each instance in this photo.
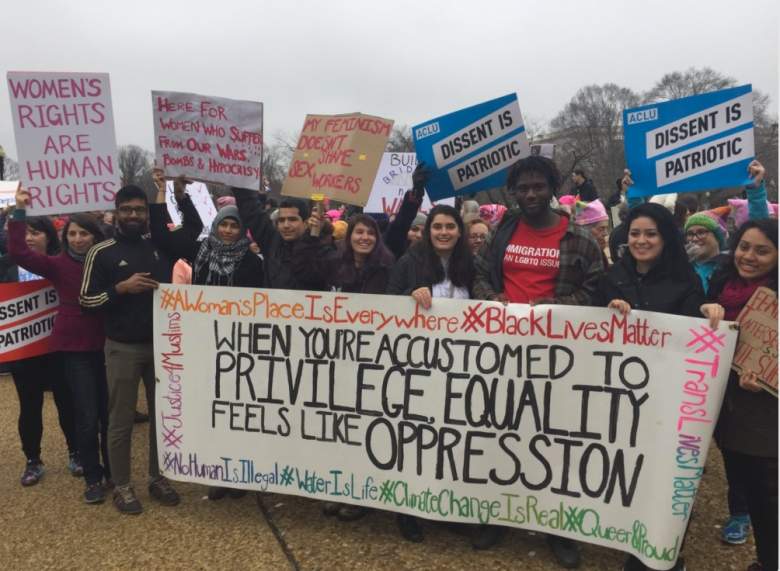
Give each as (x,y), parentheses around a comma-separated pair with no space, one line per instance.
(569,420)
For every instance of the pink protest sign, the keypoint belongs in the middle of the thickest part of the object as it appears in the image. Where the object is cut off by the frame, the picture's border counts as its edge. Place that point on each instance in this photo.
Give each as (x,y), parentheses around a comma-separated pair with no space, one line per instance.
(211,139)
(64,128)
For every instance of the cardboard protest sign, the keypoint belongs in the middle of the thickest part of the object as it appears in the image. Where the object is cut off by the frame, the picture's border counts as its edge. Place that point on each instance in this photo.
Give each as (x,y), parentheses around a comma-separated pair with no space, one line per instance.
(64,128)
(575,421)
(202,201)
(393,179)
(27,312)
(691,144)
(757,347)
(211,139)
(337,156)
(470,150)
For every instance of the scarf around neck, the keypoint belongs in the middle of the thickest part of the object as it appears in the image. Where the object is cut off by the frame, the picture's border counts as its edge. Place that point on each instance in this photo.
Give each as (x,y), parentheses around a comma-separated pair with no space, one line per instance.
(220,258)
(736,293)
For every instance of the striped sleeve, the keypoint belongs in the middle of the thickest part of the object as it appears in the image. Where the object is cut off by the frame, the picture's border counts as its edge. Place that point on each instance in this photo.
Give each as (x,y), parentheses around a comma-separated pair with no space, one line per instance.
(97,291)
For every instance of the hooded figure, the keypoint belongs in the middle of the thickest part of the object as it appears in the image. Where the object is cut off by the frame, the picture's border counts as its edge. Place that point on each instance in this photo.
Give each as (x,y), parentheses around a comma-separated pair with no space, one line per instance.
(227,261)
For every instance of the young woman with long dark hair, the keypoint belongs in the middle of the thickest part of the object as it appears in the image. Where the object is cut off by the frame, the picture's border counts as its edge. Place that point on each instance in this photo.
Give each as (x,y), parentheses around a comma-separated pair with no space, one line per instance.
(747,426)
(34,246)
(440,265)
(654,275)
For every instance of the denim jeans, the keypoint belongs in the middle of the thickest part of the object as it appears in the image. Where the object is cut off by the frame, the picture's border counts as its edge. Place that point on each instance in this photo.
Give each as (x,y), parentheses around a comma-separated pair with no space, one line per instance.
(85,372)
(32,377)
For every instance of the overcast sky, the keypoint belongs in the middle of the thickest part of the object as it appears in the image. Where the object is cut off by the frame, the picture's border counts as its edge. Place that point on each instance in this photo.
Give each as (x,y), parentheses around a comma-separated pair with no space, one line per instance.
(405,60)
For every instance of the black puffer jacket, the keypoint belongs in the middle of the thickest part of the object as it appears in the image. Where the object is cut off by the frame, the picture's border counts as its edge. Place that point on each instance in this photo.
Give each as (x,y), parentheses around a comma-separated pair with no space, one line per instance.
(658,290)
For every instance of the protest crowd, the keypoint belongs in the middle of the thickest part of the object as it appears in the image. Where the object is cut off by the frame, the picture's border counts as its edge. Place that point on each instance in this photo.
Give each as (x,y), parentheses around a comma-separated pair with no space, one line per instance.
(543,248)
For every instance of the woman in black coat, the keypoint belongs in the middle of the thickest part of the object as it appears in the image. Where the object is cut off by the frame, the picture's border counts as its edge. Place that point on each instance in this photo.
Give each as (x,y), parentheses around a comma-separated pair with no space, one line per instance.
(361,265)
(654,275)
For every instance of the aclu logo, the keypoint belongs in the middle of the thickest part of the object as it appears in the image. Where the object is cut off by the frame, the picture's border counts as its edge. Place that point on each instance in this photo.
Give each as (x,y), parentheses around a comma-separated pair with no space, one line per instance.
(426,131)
(643,116)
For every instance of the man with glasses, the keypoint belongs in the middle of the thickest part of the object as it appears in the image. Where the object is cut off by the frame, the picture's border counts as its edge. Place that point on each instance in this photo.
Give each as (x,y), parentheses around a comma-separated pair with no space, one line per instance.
(120,276)
(538,255)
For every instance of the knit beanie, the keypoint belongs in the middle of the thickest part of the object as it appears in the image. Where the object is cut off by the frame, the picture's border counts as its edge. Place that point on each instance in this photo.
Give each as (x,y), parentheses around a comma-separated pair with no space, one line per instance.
(419,220)
(711,222)
(229,211)
(590,213)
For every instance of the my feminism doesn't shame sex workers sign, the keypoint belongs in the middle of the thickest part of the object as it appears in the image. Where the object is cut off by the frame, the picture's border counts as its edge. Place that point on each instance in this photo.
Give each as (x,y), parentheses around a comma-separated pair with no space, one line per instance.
(569,420)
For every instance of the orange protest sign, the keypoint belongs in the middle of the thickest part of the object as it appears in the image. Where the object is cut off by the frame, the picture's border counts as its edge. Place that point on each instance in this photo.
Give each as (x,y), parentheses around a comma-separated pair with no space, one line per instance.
(757,345)
(338,156)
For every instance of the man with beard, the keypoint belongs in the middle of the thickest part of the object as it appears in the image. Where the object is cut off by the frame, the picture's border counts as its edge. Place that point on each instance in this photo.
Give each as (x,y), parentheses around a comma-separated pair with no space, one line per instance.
(538,255)
(120,276)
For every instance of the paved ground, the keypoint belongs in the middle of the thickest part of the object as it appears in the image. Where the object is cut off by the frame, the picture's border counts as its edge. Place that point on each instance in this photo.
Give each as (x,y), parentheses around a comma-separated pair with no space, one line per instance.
(48,527)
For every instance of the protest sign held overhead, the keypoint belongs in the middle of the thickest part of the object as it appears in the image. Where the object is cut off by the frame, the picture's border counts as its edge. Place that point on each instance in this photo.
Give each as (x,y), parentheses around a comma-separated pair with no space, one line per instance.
(211,139)
(202,201)
(64,128)
(691,144)
(470,150)
(392,181)
(337,156)
(27,312)
(570,420)
(757,348)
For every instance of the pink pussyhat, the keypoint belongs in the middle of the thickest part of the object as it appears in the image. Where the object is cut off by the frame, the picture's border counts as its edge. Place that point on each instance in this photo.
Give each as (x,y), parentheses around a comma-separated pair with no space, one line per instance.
(590,213)
(225,201)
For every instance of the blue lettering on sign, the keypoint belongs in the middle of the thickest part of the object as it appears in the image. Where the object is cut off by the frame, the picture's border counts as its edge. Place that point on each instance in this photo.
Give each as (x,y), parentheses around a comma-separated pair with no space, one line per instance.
(426,131)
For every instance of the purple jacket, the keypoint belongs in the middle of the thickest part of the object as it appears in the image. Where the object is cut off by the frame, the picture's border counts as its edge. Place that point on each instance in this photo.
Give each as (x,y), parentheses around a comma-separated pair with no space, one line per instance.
(73,330)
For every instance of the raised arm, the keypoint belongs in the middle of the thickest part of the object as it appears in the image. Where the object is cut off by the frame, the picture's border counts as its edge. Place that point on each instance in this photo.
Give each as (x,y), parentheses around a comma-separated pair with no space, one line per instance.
(395,235)
(756,192)
(18,250)
(182,242)
(251,208)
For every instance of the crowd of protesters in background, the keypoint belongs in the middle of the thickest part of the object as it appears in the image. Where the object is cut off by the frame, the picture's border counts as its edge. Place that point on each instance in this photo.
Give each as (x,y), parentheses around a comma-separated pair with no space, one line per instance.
(661,255)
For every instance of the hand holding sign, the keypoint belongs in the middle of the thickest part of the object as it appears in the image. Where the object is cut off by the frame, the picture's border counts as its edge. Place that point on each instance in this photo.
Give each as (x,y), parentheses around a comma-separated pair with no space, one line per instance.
(22,198)
(749,382)
(756,171)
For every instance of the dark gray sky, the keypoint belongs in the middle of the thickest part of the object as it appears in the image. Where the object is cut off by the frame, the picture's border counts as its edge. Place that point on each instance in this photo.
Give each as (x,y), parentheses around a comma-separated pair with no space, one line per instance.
(405,60)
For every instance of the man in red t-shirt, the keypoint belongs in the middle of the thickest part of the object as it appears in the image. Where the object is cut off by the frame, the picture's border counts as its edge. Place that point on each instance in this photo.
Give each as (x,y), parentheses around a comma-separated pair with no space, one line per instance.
(538,256)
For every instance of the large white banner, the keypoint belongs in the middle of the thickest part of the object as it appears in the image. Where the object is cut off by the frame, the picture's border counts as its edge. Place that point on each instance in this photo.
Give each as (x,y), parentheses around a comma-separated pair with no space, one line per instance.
(567,420)
(64,128)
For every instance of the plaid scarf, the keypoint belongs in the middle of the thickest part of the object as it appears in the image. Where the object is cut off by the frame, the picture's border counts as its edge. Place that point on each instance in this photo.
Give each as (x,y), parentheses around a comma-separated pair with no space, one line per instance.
(221,259)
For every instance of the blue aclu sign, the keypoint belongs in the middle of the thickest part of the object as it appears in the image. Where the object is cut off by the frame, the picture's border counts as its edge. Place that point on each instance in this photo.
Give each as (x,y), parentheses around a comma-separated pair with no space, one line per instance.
(471,149)
(691,144)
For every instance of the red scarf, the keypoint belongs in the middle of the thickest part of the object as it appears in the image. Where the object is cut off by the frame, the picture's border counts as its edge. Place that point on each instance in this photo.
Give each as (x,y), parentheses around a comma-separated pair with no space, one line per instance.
(736,293)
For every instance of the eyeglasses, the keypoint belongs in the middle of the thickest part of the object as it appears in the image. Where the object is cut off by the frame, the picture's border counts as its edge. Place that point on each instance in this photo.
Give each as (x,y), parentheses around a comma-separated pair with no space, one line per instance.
(127,210)
(696,234)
